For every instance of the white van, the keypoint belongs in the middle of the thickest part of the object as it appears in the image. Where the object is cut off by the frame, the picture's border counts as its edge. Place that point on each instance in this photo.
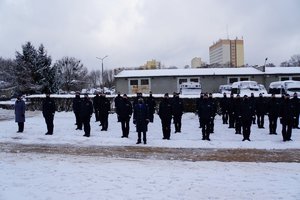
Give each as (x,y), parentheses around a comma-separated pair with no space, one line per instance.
(190,88)
(285,87)
(248,87)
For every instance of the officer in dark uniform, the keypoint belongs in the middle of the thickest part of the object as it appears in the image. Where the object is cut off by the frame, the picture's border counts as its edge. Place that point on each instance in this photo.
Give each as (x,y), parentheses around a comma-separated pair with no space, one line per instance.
(104,108)
(214,109)
(206,113)
(48,113)
(231,108)
(198,103)
(151,105)
(125,112)
(253,102)
(177,109)
(165,114)
(247,114)
(238,114)
(96,100)
(224,108)
(117,101)
(296,103)
(286,115)
(273,113)
(141,120)
(260,107)
(76,109)
(86,111)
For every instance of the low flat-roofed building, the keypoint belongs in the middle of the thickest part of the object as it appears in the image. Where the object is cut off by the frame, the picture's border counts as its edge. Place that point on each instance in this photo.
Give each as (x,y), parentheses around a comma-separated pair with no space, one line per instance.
(160,81)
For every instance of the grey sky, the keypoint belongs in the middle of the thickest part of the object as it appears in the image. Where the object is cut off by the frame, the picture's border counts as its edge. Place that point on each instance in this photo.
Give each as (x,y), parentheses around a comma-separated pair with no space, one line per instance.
(134,31)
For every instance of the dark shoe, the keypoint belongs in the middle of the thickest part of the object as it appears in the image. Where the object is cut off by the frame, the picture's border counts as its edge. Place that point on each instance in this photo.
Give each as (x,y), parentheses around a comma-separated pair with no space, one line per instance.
(138,142)
(145,142)
(86,135)
(208,139)
(248,139)
(243,139)
(49,134)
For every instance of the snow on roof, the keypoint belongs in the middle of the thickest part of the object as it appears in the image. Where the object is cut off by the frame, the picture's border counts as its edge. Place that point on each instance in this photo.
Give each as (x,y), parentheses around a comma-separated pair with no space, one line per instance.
(207,71)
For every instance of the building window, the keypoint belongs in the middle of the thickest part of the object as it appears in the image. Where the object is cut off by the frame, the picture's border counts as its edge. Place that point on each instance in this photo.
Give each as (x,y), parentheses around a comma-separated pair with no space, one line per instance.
(284,78)
(236,79)
(296,78)
(232,80)
(134,82)
(182,81)
(139,85)
(196,80)
(145,82)
(244,79)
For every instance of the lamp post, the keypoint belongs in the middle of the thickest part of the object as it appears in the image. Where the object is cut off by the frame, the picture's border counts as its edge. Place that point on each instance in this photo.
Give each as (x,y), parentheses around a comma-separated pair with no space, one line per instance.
(102,67)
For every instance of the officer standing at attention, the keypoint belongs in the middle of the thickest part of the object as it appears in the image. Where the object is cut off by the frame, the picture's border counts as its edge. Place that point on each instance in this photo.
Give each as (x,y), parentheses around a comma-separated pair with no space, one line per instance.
(86,111)
(76,109)
(165,115)
(48,113)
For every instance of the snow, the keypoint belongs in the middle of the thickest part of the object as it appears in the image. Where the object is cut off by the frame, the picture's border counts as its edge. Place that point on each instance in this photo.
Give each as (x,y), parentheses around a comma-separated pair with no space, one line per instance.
(35,176)
(42,176)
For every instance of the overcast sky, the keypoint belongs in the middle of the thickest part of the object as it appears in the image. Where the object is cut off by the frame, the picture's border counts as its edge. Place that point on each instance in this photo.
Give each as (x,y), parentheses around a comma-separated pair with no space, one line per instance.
(131,32)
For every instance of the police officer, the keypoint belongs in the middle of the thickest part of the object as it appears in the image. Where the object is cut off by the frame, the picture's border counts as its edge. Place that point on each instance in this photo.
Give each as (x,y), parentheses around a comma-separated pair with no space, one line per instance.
(151,105)
(238,114)
(141,120)
(20,108)
(231,108)
(247,114)
(104,108)
(165,114)
(198,103)
(224,108)
(286,115)
(117,101)
(273,113)
(76,109)
(86,111)
(177,109)
(260,107)
(214,109)
(253,102)
(206,113)
(96,100)
(125,112)
(48,113)
(296,103)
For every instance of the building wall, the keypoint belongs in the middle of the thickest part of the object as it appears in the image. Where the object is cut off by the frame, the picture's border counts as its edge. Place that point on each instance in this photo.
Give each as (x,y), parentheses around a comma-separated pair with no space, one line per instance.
(160,85)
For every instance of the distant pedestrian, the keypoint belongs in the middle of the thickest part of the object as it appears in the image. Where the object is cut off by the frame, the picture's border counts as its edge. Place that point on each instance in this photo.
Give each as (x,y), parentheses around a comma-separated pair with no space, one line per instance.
(48,113)
(253,102)
(177,112)
(141,120)
(238,114)
(165,114)
(124,115)
(214,109)
(76,109)
(20,113)
(86,112)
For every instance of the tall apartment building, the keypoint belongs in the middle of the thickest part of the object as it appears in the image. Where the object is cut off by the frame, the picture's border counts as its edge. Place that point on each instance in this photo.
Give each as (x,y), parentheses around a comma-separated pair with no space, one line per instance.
(227,52)
(152,64)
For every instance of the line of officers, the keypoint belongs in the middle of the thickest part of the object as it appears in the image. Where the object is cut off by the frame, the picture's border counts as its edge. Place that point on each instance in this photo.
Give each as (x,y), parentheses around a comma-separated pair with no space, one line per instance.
(239,112)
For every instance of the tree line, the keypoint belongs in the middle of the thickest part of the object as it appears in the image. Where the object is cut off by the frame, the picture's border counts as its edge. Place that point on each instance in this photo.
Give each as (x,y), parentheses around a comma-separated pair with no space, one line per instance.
(32,72)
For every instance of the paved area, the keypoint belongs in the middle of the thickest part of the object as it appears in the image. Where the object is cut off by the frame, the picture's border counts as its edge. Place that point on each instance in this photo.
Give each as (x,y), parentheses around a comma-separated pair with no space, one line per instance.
(144,152)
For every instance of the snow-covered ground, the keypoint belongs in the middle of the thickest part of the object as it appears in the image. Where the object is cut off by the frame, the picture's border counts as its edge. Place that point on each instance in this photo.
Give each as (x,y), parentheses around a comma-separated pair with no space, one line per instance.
(42,176)
(190,137)
(33,176)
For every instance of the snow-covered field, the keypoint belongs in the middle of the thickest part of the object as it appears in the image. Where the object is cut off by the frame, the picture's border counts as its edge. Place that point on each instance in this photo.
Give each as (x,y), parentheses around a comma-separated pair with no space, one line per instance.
(33,176)
(190,137)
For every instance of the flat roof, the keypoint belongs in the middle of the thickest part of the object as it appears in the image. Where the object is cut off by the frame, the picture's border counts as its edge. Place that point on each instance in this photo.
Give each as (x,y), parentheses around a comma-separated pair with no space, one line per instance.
(207,72)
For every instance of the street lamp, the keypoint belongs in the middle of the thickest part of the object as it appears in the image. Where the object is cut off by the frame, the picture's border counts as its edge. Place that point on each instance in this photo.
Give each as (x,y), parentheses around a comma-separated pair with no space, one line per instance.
(102,66)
